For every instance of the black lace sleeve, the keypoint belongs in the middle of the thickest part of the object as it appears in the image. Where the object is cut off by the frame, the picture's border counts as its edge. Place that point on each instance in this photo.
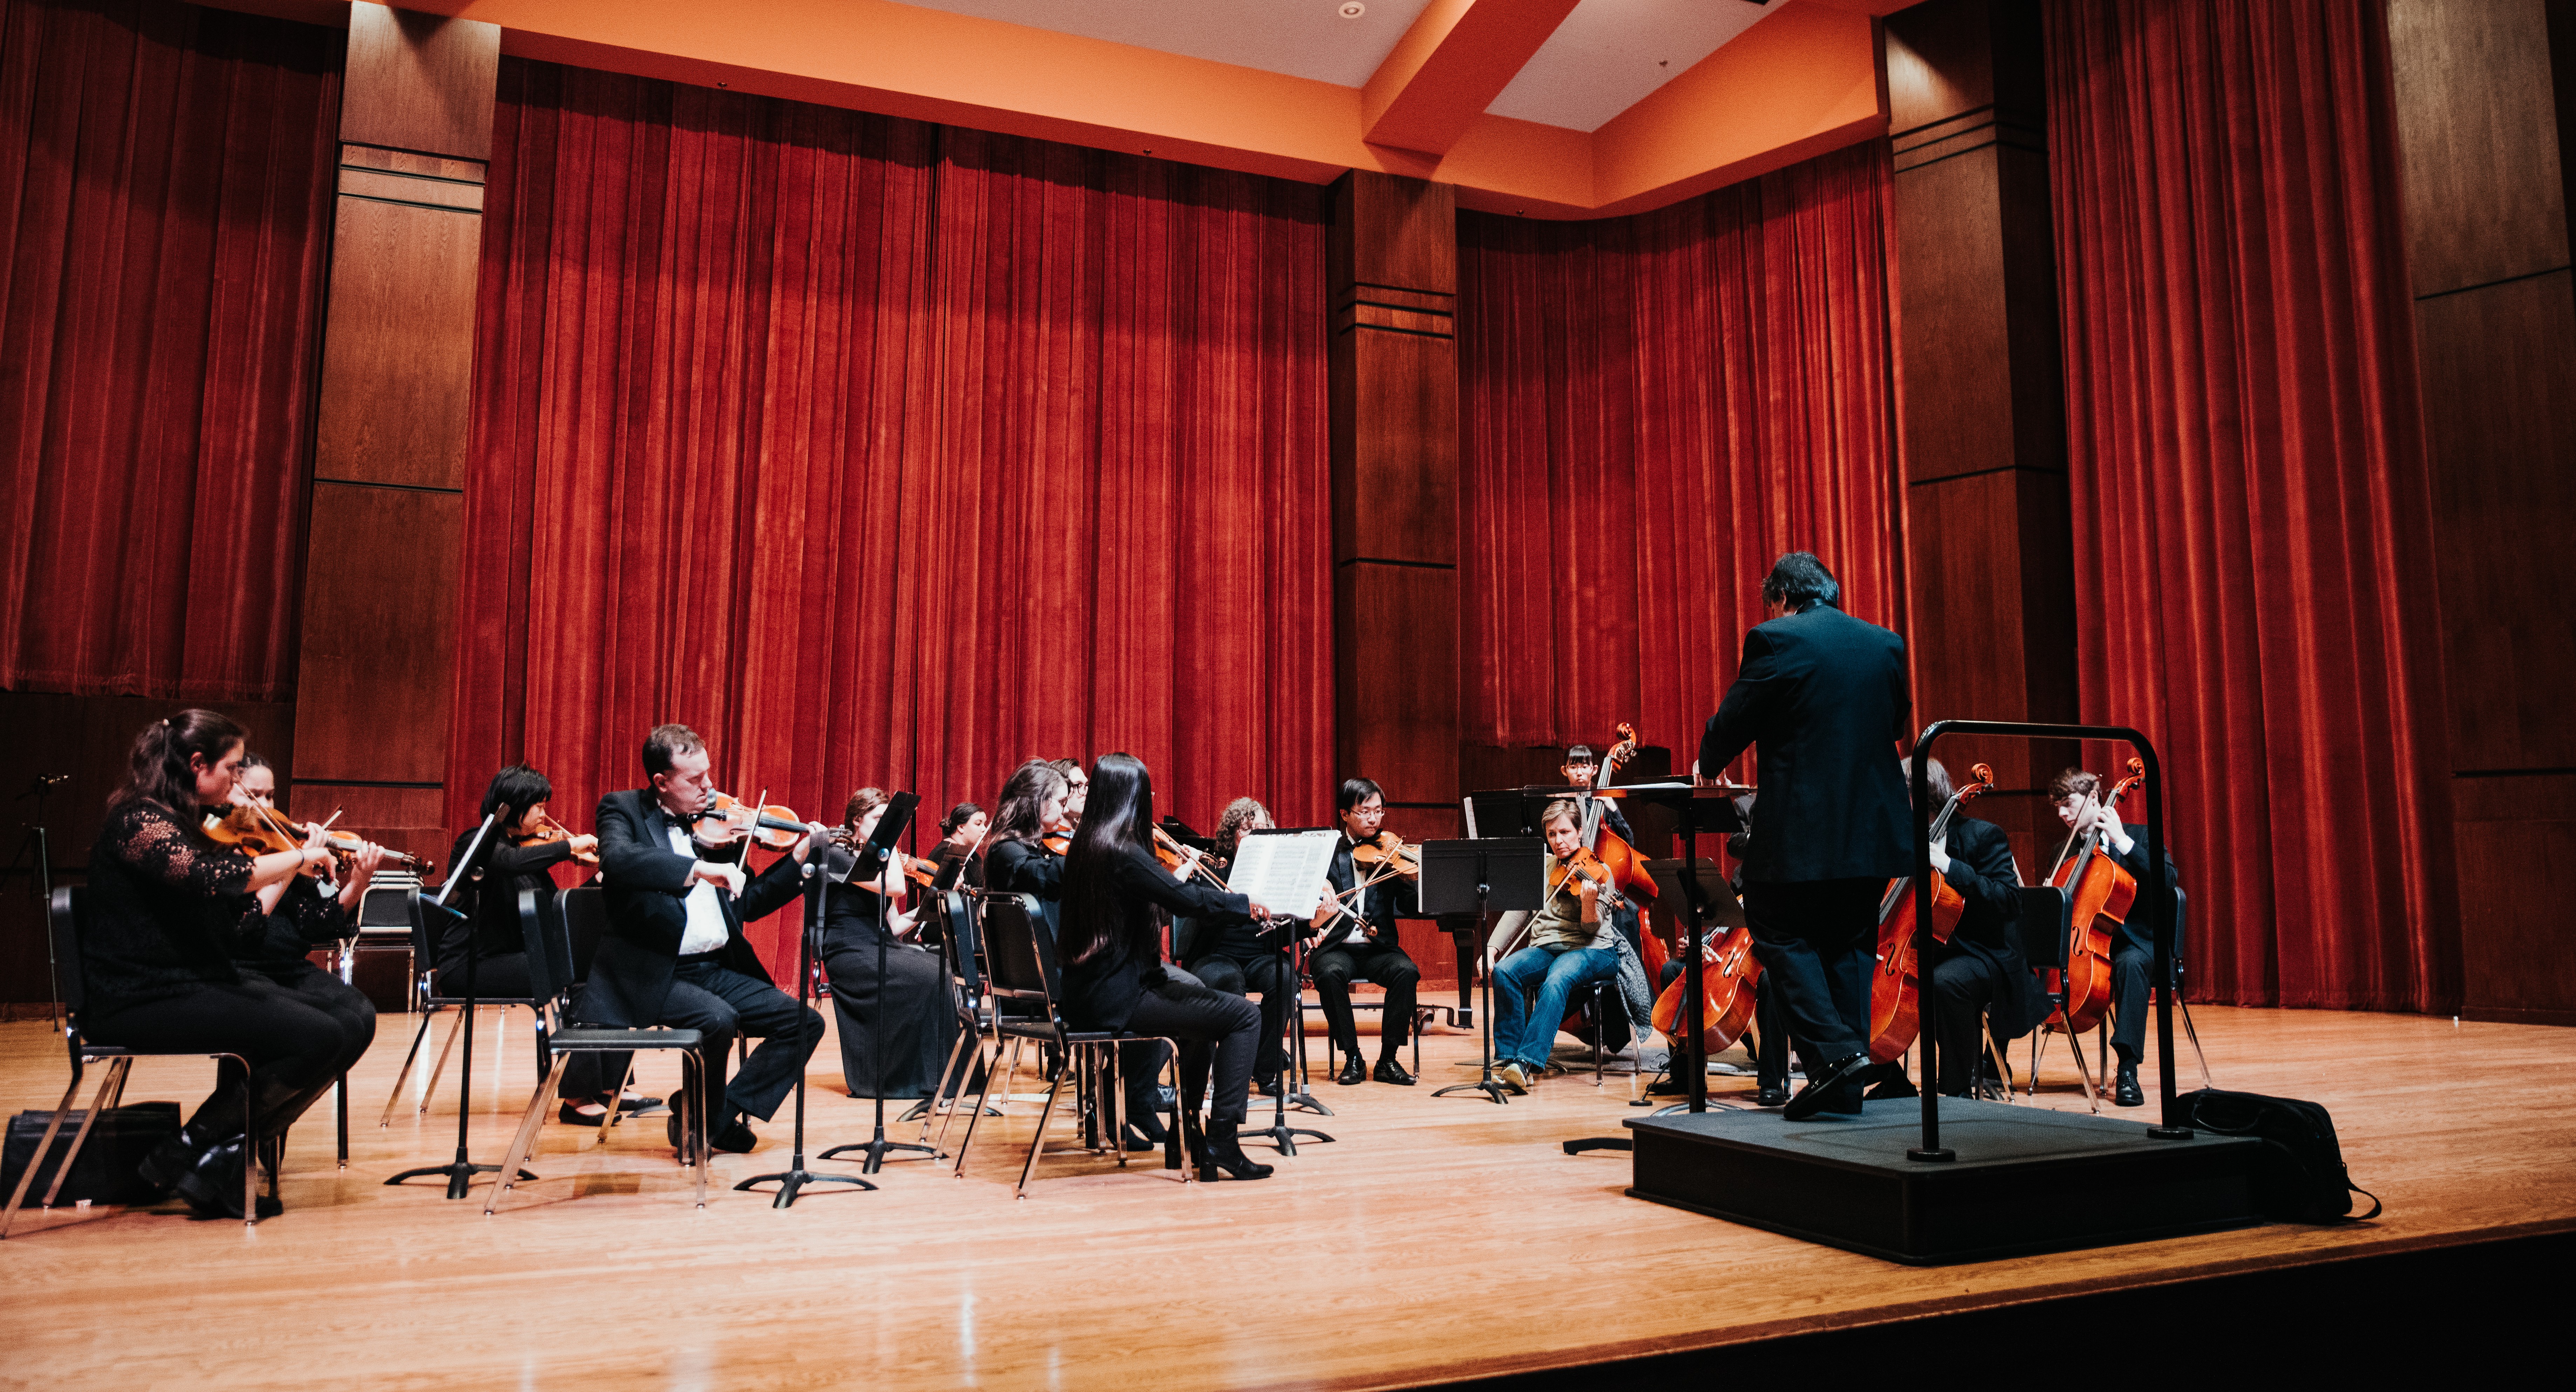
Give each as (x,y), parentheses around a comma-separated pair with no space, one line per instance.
(317,917)
(157,846)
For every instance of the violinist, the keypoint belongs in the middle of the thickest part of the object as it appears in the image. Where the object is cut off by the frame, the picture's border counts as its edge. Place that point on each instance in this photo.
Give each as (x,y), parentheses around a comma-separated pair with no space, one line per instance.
(1234,956)
(1114,975)
(1368,950)
(2080,805)
(530,845)
(908,1012)
(167,906)
(674,953)
(1016,858)
(1981,968)
(961,838)
(1823,695)
(1077,790)
(1568,949)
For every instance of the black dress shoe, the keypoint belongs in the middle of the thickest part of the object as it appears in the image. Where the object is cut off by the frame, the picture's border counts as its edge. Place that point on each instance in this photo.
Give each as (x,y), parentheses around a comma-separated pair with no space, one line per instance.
(1353,1073)
(1390,1071)
(1666,1085)
(1220,1155)
(571,1114)
(213,1185)
(2125,1091)
(632,1104)
(1267,1085)
(1821,1093)
(736,1138)
(1896,1086)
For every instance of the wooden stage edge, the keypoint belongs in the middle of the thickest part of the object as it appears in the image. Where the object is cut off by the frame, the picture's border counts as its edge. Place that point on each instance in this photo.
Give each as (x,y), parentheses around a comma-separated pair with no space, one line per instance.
(1437,1240)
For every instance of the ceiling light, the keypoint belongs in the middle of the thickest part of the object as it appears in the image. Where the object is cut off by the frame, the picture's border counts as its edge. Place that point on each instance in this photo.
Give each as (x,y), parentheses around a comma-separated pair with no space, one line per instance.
(1353,9)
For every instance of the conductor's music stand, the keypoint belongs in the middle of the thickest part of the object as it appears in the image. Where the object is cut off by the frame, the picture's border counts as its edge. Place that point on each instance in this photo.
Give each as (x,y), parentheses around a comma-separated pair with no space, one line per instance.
(1717,907)
(1479,877)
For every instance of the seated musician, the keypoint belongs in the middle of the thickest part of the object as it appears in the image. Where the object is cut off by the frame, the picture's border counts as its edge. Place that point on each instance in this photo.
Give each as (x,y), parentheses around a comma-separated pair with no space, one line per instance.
(1981,968)
(961,837)
(1233,955)
(1580,768)
(1016,859)
(299,914)
(165,905)
(674,953)
(905,1023)
(1568,949)
(1363,945)
(2080,805)
(1077,790)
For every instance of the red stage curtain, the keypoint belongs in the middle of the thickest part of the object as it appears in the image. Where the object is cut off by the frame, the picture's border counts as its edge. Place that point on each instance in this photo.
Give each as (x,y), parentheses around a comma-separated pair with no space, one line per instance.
(2253,551)
(886,453)
(1653,409)
(165,199)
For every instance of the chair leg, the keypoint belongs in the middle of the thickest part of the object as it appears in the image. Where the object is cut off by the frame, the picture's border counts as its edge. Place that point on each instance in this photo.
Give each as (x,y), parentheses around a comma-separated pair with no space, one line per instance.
(1038,1141)
(694,1070)
(429,1093)
(250,1143)
(523,1143)
(43,1147)
(395,1099)
(939,1090)
(107,1083)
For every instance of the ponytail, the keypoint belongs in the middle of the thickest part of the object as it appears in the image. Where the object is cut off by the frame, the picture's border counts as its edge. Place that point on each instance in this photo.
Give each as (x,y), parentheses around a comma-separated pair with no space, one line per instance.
(159,769)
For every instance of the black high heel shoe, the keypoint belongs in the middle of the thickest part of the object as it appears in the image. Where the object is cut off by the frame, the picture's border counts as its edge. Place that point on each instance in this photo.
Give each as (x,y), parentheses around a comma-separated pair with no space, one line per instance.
(1219,1152)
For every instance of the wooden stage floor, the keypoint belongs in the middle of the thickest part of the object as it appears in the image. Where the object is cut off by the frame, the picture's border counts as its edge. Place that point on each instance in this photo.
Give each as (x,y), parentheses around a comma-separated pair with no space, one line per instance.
(1437,1239)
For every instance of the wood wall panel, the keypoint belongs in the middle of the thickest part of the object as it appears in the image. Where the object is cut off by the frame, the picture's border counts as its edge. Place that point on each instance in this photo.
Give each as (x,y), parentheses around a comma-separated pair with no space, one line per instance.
(2476,119)
(2499,370)
(2516,840)
(1393,231)
(406,819)
(1395,481)
(381,592)
(420,82)
(1396,679)
(396,380)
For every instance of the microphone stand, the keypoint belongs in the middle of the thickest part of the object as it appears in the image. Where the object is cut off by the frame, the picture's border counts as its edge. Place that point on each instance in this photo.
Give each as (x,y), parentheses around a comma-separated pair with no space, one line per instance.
(796,1176)
(44,877)
(460,1171)
(890,824)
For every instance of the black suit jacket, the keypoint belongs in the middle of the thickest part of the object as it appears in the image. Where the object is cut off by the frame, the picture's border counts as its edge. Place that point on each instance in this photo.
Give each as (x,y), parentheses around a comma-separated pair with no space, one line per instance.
(1823,695)
(1388,899)
(647,884)
(1982,870)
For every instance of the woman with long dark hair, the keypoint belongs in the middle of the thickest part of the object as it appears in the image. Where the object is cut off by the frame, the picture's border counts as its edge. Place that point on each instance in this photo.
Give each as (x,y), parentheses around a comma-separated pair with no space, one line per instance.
(1114,973)
(908,1013)
(166,907)
(1016,860)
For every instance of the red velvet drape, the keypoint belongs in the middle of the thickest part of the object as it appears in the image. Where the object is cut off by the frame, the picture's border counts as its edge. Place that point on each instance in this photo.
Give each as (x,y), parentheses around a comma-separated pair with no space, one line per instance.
(2253,550)
(165,198)
(1653,409)
(887,453)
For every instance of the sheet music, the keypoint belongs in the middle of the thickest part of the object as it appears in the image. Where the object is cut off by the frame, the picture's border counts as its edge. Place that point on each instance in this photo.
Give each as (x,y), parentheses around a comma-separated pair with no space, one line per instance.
(1284,872)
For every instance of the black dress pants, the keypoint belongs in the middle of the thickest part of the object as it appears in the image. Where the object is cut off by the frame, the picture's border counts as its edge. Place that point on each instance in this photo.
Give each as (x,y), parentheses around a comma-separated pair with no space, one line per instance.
(1962,985)
(721,1003)
(1268,974)
(295,1046)
(1374,959)
(1817,939)
(1212,1026)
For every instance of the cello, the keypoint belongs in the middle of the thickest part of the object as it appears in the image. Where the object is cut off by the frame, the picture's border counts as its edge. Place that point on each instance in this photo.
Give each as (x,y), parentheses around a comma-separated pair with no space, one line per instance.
(2099,892)
(1896,988)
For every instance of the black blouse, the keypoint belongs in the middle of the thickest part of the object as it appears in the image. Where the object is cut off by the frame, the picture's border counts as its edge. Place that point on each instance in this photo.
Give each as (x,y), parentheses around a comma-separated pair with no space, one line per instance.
(167,908)
(493,922)
(1024,867)
(1101,994)
(306,918)
(852,917)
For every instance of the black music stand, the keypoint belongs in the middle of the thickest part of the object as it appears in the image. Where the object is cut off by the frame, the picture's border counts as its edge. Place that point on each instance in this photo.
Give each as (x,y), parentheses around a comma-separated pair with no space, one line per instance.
(1501,872)
(460,1171)
(870,861)
(1697,809)
(1709,888)
(35,843)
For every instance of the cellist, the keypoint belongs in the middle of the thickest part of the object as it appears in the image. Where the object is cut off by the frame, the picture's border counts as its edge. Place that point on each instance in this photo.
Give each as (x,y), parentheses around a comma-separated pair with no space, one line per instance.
(2078,796)
(1981,968)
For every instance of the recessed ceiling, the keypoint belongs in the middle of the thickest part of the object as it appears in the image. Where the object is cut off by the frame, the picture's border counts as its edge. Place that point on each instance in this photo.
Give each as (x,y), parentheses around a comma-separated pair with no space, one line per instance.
(1302,38)
(1610,55)
(1607,56)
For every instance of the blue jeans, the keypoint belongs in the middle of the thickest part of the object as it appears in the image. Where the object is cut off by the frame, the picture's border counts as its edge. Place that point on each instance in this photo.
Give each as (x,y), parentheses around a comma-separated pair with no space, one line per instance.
(1526,1034)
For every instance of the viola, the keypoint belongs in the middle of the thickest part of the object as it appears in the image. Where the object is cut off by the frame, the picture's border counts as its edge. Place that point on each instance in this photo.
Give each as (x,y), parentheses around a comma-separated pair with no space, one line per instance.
(1896,989)
(1173,855)
(264,831)
(724,821)
(2099,892)
(548,829)
(1388,854)
(1060,842)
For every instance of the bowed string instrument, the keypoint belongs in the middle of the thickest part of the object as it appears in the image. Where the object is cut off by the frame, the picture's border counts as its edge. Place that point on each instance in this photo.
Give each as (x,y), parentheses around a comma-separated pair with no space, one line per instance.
(1896,988)
(263,830)
(2099,893)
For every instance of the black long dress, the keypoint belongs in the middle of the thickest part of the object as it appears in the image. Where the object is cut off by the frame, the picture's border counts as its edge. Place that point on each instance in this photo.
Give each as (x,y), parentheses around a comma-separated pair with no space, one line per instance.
(910,1012)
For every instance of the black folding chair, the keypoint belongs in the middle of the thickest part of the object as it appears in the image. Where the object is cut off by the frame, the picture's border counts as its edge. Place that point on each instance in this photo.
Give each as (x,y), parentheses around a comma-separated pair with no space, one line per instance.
(429,1000)
(1023,966)
(68,915)
(553,965)
(961,942)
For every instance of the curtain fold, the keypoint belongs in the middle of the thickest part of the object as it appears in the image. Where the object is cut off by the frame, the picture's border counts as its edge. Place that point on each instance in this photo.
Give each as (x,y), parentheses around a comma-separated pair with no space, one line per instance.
(1654,408)
(887,453)
(2252,535)
(165,199)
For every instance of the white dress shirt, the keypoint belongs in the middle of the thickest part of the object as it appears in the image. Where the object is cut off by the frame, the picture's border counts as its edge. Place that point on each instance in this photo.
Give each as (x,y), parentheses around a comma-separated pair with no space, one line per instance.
(706,931)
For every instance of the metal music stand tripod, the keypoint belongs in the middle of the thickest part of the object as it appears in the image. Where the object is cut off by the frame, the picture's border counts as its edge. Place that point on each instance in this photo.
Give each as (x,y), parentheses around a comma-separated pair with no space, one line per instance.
(460,1171)
(43,873)
(1502,872)
(872,857)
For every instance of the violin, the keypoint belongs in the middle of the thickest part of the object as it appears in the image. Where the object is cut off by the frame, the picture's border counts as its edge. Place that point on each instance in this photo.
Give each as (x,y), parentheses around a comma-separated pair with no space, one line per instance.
(1896,988)
(264,831)
(1060,842)
(2099,892)
(1388,854)
(1173,855)
(724,821)
(548,829)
